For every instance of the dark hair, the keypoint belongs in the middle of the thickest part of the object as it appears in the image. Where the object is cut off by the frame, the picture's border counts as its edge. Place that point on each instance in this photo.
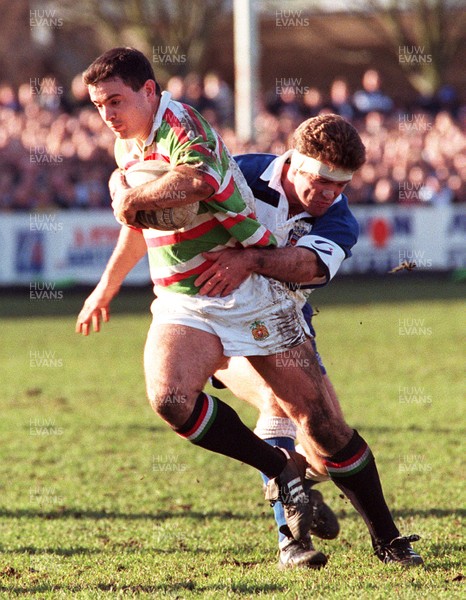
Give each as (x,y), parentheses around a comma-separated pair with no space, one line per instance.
(130,65)
(331,139)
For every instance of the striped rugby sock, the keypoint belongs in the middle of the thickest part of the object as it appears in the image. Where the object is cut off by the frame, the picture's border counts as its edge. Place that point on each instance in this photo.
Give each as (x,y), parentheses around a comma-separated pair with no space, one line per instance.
(353,470)
(215,426)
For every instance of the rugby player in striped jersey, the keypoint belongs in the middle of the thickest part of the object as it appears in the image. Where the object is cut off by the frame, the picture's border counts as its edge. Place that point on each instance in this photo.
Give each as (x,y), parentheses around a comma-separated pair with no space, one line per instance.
(190,337)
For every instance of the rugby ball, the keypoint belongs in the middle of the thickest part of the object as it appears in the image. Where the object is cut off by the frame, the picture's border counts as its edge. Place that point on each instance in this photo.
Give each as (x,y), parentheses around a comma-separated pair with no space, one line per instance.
(165,219)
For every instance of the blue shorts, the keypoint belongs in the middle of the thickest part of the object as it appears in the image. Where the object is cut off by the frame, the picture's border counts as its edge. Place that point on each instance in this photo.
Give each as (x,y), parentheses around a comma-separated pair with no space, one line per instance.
(308,314)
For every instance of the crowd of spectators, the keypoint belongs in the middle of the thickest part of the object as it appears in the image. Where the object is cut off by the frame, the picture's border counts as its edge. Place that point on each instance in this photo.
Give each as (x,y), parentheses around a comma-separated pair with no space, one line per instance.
(55,151)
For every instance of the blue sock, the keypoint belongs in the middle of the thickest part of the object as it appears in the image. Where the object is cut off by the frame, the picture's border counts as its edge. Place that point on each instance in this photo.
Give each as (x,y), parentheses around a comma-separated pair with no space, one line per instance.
(288,444)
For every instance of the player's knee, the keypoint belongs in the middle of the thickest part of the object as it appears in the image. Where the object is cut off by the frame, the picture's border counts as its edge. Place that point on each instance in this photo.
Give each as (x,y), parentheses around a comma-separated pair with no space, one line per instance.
(331,440)
(328,430)
(171,404)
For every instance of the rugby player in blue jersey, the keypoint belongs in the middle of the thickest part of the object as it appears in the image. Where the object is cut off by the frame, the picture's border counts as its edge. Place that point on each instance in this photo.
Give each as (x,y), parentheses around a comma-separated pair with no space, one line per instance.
(299,197)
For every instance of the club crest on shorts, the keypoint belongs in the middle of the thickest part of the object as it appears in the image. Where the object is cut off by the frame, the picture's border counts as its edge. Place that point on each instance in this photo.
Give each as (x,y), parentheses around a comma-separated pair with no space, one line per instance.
(259,330)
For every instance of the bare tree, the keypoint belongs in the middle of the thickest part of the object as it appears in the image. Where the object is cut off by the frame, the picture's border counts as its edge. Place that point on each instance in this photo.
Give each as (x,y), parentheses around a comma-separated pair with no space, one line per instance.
(174,32)
(423,34)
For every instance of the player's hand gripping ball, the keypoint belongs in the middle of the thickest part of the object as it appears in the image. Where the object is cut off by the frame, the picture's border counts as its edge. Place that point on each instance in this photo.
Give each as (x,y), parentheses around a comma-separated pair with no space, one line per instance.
(165,219)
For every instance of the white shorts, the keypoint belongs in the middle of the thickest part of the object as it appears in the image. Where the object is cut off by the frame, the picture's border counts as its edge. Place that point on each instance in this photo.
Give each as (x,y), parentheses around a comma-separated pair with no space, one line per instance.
(259,318)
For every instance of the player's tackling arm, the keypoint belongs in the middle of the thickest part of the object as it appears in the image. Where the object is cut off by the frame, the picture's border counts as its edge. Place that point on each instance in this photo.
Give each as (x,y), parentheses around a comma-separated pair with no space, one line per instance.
(129,250)
(232,267)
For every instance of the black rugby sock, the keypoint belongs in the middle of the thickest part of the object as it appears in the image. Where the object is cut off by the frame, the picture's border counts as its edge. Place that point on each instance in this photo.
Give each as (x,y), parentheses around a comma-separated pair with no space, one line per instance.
(215,426)
(353,470)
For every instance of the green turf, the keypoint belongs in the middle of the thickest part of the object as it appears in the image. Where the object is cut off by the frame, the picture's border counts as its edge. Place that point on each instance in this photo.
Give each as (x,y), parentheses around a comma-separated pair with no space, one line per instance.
(99,499)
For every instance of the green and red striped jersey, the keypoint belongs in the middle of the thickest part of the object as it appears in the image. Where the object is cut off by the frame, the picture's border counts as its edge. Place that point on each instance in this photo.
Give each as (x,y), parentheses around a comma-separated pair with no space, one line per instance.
(181,136)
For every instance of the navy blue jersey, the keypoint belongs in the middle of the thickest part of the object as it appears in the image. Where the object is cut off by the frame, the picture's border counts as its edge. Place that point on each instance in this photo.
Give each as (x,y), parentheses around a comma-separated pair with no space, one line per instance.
(330,236)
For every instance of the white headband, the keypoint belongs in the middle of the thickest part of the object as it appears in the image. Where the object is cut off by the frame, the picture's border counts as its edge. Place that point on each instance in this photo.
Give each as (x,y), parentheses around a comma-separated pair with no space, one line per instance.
(302,162)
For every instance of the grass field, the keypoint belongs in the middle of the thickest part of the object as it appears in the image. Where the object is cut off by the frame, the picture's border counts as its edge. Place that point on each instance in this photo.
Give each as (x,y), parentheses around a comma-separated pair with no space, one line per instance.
(99,499)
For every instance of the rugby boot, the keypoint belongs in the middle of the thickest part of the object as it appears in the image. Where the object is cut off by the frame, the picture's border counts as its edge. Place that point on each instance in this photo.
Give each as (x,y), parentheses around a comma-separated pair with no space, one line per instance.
(324,523)
(295,554)
(399,550)
(288,488)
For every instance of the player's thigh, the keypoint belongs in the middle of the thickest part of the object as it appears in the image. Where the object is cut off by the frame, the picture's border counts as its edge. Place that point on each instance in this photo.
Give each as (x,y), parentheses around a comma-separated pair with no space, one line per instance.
(293,373)
(245,383)
(178,360)
(296,379)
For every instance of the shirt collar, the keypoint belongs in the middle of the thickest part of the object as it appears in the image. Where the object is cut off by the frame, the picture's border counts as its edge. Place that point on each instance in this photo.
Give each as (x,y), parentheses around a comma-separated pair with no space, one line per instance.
(273,172)
(163,104)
